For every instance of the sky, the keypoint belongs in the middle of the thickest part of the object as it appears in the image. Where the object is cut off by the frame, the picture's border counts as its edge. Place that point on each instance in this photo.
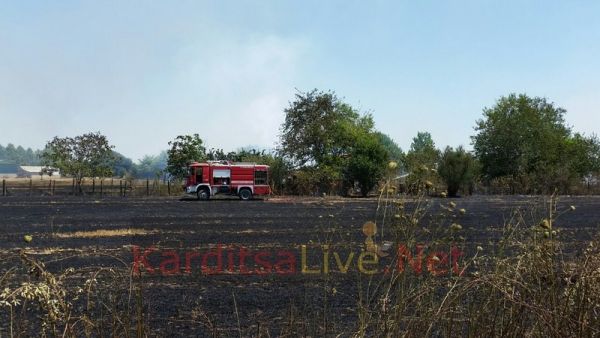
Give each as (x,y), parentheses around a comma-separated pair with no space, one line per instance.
(143,72)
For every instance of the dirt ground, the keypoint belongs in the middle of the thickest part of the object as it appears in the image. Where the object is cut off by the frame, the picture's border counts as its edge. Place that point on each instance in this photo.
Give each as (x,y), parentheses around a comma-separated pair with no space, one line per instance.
(89,234)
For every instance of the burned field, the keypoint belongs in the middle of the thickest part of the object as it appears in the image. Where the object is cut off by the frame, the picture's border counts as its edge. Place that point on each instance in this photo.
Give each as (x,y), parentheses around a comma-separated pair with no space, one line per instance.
(160,255)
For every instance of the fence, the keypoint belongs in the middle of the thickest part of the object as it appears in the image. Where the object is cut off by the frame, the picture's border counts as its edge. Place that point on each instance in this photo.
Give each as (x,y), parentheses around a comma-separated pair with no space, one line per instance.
(145,187)
(90,186)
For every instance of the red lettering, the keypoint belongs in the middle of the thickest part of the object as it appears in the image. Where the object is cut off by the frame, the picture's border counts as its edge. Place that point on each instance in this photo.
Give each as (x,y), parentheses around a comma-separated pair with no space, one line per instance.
(216,254)
(404,254)
(455,253)
(243,255)
(142,260)
(435,262)
(265,265)
(188,260)
(172,261)
(288,260)
(230,262)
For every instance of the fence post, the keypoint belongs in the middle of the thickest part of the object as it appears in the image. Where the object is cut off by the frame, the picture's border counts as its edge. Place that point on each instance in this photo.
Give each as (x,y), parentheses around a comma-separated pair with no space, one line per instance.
(147,187)
(112,187)
(93,185)
(53,187)
(121,188)
(169,188)
(50,187)
(3,187)
(588,187)
(101,186)
(30,186)
(73,187)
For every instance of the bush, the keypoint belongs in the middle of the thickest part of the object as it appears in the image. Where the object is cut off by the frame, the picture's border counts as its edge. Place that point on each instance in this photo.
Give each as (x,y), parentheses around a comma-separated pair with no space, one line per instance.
(457,168)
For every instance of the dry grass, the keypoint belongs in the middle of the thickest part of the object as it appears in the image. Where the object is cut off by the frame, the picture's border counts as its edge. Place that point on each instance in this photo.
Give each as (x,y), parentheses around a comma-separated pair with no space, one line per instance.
(105,233)
(522,286)
(25,180)
(44,305)
(36,186)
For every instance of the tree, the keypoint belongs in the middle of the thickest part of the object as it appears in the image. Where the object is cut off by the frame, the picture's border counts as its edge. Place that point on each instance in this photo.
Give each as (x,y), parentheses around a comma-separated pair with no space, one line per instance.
(527,140)
(317,136)
(20,155)
(457,168)
(122,165)
(87,155)
(367,162)
(185,149)
(314,128)
(219,155)
(518,133)
(421,161)
(11,152)
(422,153)
(585,154)
(144,167)
(394,152)
(151,167)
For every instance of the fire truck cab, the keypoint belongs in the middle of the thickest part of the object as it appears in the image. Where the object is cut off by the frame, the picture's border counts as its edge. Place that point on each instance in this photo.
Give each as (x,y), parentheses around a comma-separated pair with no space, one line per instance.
(210,178)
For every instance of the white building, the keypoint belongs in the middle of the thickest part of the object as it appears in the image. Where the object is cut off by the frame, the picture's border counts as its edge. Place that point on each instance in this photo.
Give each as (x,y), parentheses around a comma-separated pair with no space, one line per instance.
(33,171)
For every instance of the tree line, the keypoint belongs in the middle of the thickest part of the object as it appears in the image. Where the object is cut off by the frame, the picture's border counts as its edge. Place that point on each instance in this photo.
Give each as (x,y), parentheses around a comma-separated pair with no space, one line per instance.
(521,144)
(150,166)
(19,155)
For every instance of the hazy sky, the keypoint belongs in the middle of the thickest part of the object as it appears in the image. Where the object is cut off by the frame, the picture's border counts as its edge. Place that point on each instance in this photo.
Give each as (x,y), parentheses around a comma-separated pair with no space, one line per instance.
(142,72)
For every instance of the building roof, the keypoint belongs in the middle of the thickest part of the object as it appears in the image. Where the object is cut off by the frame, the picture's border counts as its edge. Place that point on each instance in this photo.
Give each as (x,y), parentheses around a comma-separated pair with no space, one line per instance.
(36,169)
(8,167)
(32,168)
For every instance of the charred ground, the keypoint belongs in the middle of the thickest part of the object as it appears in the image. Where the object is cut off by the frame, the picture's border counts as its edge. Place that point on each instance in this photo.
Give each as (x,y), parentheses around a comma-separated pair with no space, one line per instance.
(199,304)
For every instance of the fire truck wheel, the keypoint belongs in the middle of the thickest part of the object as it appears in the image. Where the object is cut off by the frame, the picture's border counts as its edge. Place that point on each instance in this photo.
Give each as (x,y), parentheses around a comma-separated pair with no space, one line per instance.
(245,194)
(203,194)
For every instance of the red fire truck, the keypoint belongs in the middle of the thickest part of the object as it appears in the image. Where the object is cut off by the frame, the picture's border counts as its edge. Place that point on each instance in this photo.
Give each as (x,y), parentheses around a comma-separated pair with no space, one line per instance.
(223,177)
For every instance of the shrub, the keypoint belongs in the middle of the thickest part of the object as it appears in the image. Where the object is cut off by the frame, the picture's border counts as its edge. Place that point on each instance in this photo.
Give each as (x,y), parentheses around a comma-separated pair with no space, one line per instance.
(457,168)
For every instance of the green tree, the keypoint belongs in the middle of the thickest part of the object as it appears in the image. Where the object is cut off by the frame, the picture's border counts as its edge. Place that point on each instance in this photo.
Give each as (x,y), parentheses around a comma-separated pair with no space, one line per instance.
(517,134)
(20,155)
(217,155)
(421,161)
(394,152)
(122,165)
(584,153)
(422,152)
(318,133)
(184,150)
(144,168)
(527,140)
(11,153)
(458,169)
(367,162)
(87,155)
(315,128)
(234,156)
